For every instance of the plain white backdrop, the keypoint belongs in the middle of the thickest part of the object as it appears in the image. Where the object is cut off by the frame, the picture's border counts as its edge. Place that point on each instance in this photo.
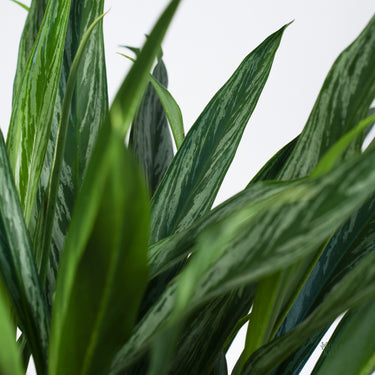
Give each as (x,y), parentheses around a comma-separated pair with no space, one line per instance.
(206,42)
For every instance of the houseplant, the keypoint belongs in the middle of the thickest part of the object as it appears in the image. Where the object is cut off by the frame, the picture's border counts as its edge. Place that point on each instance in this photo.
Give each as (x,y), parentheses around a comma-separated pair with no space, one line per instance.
(98,285)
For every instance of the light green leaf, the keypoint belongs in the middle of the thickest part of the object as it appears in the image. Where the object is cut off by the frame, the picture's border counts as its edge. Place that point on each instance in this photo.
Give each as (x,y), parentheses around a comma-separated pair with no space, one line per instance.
(30,31)
(172,110)
(17,266)
(351,349)
(21,5)
(101,278)
(33,105)
(10,359)
(128,98)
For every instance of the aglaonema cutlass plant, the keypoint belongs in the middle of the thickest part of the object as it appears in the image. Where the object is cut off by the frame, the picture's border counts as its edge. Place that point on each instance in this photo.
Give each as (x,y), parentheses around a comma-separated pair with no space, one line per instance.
(112,259)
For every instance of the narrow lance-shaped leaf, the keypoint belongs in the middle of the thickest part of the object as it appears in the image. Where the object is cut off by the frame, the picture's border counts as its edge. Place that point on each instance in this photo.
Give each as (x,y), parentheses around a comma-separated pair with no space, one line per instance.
(22,5)
(10,359)
(357,287)
(200,165)
(150,138)
(33,105)
(87,114)
(43,232)
(17,267)
(171,108)
(266,235)
(351,348)
(99,275)
(344,100)
(30,31)
(128,98)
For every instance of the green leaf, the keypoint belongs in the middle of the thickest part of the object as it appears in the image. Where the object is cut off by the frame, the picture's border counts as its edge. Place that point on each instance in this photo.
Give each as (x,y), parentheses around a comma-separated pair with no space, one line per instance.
(355,288)
(88,111)
(150,139)
(262,237)
(330,158)
(199,166)
(272,168)
(352,242)
(129,96)
(172,110)
(220,367)
(33,105)
(43,232)
(30,31)
(99,275)
(21,5)
(343,102)
(10,359)
(17,267)
(351,349)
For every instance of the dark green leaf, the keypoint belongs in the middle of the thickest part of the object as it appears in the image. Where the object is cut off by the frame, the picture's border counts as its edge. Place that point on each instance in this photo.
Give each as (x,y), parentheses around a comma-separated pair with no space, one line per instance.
(34,103)
(351,348)
(150,138)
(272,168)
(43,231)
(265,235)
(17,265)
(343,102)
(100,274)
(194,177)
(357,287)
(88,111)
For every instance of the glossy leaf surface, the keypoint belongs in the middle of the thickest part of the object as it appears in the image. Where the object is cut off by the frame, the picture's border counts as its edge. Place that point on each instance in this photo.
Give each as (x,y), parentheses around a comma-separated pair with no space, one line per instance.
(278,232)
(18,270)
(194,177)
(88,110)
(356,287)
(34,103)
(150,138)
(351,348)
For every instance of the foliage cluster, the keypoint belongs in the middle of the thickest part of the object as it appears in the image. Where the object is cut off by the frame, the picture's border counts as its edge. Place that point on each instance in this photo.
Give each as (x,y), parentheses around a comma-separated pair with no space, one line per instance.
(112,260)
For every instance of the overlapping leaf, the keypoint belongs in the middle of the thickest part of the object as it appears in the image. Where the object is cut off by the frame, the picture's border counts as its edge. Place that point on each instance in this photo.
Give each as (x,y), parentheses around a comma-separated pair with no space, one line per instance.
(100,274)
(351,348)
(194,177)
(344,100)
(357,287)
(10,360)
(18,270)
(30,31)
(150,138)
(34,103)
(266,235)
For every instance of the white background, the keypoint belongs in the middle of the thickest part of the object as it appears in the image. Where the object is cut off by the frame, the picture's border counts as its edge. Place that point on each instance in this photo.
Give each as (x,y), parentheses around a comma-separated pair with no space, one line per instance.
(206,42)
